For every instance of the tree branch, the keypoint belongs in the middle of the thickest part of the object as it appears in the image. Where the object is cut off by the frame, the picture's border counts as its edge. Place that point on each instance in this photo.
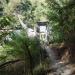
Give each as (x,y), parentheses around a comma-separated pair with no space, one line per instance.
(8,62)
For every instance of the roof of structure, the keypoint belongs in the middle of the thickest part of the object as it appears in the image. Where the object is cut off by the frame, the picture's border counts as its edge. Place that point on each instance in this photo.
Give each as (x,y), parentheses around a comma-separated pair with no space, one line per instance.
(42,23)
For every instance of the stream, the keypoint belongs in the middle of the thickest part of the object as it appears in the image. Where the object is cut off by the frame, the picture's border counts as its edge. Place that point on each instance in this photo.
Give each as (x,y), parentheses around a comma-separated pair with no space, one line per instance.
(59,68)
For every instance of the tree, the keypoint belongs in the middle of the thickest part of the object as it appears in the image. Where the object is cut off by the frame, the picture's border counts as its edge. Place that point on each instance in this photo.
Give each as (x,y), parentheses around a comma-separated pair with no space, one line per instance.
(24,48)
(16,43)
(61,17)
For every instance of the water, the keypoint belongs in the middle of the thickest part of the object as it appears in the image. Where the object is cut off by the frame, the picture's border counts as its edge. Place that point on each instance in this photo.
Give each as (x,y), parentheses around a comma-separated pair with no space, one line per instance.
(55,63)
(51,54)
(57,67)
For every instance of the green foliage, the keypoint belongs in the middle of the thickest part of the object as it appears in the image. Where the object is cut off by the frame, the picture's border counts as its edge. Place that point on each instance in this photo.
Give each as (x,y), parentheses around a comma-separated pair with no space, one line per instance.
(19,46)
(61,17)
(32,11)
(6,21)
(7,1)
(24,6)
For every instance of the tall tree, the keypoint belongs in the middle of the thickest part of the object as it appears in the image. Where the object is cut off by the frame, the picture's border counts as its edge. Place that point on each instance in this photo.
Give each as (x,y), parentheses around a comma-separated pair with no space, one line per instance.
(61,17)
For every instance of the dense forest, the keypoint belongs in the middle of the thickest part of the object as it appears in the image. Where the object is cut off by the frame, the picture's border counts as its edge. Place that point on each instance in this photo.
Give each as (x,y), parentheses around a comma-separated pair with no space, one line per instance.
(48,48)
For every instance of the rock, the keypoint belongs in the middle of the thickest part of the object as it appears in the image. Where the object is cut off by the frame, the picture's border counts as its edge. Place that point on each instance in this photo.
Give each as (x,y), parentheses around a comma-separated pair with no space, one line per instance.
(64,52)
(64,70)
